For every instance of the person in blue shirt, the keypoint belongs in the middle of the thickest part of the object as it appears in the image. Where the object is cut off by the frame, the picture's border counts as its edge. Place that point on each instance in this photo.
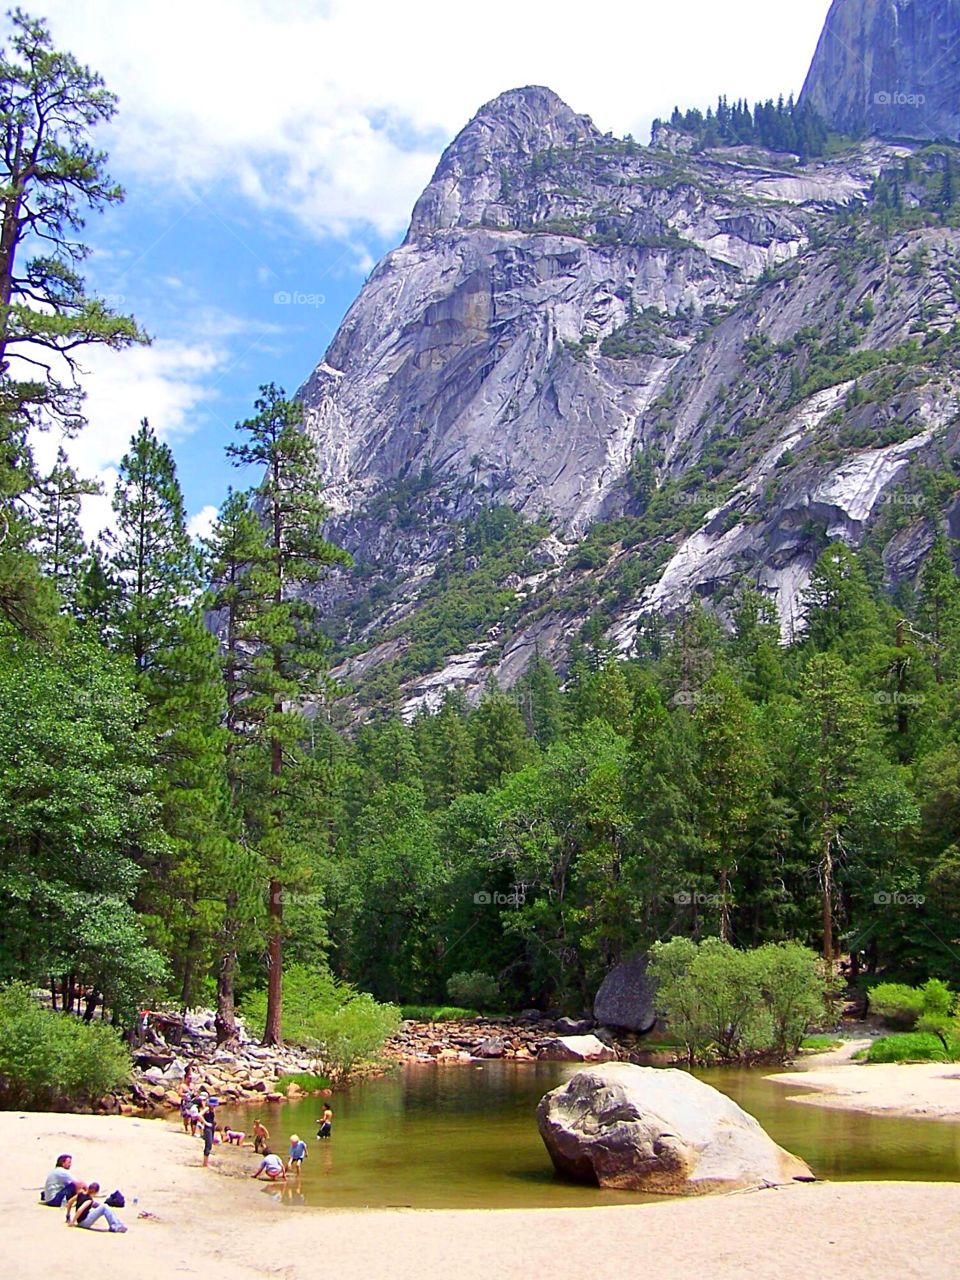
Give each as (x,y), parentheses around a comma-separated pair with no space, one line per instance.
(298,1153)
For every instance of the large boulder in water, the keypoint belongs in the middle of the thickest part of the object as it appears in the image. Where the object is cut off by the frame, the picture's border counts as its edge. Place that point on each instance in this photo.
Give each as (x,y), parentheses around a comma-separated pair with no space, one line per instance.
(656,1130)
(625,998)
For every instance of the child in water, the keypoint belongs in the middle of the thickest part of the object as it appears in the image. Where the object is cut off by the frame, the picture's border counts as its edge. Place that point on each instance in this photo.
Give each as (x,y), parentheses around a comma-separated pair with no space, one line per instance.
(326,1123)
(298,1153)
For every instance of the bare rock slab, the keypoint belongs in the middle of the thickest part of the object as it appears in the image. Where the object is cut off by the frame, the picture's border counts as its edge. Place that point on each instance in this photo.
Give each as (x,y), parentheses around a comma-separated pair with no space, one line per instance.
(655,1130)
(577,1049)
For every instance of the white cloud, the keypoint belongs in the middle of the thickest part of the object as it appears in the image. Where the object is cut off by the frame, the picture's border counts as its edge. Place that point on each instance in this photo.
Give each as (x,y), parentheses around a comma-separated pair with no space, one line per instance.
(168,383)
(201,524)
(336,110)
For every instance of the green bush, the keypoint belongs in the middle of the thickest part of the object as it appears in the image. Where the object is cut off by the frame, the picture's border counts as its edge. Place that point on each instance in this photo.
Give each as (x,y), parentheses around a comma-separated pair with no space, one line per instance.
(909,1047)
(726,1004)
(475,989)
(436,1013)
(49,1060)
(895,1002)
(304,1080)
(330,1018)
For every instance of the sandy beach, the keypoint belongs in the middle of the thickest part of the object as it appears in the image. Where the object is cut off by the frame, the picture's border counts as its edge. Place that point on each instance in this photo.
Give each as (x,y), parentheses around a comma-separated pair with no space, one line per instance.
(930,1090)
(209,1224)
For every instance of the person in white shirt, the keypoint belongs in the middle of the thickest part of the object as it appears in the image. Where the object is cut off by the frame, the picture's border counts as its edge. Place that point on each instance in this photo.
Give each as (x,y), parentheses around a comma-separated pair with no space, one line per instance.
(60,1184)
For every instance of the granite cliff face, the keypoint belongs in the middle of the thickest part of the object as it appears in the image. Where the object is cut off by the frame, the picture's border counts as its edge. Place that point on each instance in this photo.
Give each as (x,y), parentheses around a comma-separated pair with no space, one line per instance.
(889,68)
(695,369)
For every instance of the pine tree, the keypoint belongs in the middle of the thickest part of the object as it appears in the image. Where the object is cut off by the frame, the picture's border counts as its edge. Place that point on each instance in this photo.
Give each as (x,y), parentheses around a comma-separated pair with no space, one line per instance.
(50,175)
(289,648)
(59,542)
(157,622)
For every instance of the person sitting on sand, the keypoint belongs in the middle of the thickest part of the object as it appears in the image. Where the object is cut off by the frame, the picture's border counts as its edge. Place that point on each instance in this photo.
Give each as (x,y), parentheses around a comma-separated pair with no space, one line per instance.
(60,1184)
(298,1153)
(272,1166)
(261,1136)
(234,1137)
(326,1123)
(85,1210)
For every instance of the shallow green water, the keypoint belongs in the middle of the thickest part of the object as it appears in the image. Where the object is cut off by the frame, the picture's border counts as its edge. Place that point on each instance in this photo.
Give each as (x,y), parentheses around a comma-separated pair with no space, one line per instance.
(466,1137)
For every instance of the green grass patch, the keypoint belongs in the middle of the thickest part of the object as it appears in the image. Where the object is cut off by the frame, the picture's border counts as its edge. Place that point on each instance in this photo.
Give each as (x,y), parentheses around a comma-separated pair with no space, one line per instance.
(436,1013)
(911,1046)
(304,1080)
(820,1044)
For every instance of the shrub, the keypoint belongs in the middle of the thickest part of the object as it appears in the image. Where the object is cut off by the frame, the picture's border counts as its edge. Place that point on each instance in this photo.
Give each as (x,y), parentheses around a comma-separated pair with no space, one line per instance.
(729,1004)
(330,1018)
(895,1002)
(49,1059)
(475,989)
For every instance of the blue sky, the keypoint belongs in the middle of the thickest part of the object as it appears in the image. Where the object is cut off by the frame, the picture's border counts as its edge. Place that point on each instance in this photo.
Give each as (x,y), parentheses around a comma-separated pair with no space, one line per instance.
(272,149)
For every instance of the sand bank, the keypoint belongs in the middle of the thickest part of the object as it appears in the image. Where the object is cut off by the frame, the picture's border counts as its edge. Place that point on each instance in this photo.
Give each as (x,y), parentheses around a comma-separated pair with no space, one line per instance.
(207,1224)
(930,1090)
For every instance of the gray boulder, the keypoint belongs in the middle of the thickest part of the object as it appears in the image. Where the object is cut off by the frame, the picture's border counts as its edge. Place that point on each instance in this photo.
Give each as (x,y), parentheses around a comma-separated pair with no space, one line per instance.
(492,1047)
(574,1026)
(655,1130)
(576,1049)
(626,996)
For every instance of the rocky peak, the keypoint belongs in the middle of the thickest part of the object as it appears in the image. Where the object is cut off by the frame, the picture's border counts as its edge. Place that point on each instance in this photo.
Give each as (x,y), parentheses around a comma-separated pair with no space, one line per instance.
(890,68)
(466,188)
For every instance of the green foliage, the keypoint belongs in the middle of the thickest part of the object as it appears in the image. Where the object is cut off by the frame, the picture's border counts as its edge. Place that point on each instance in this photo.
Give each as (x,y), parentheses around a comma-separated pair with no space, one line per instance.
(436,1013)
(911,1047)
(776,126)
(343,1026)
(729,1004)
(50,1060)
(304,1080)
(474,989)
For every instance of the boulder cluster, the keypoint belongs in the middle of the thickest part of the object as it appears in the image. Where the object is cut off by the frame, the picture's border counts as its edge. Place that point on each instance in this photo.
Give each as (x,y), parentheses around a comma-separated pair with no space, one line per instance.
(242,1072)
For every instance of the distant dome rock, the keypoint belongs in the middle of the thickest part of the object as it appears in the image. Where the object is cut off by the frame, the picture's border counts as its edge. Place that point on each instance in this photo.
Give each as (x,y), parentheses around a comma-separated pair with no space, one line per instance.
(889,68)
(468,187)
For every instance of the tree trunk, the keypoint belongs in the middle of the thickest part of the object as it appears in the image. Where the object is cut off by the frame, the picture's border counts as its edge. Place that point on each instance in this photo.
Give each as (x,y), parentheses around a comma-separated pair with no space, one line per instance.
(826,870)
(724,906)
(225,1021)
(91,1007)
(272,1032)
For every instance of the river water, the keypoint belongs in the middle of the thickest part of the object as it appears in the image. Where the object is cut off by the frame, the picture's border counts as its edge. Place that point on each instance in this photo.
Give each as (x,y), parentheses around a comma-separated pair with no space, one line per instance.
(466,1137)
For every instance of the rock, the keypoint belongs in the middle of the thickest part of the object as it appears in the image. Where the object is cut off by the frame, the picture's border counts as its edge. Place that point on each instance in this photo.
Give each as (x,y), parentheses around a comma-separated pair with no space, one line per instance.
(888,68)
(493,1047)
(576,1049)
(654,1130)
(573,1026)
(259,1086)
(531,1015)
(626,996)
(274,1097)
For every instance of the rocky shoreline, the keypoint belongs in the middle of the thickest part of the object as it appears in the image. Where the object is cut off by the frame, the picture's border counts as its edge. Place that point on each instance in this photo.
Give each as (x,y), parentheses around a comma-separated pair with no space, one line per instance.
(250,1073)
(520,1040)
